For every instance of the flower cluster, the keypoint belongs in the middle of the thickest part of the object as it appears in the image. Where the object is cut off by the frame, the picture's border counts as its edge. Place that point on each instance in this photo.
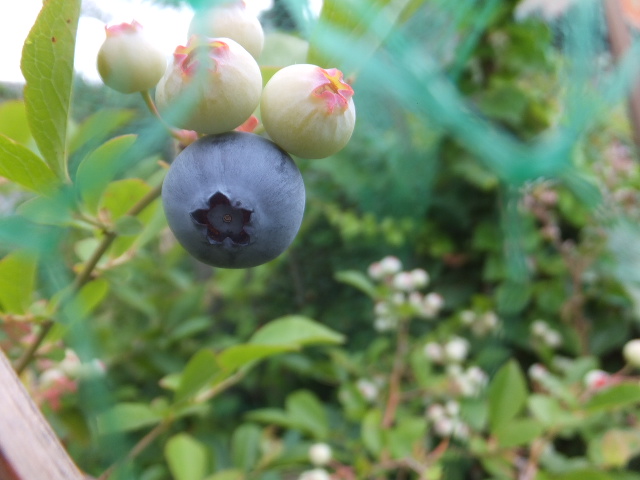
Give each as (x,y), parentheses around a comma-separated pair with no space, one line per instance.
(446,420)
(402,297)
(543,334)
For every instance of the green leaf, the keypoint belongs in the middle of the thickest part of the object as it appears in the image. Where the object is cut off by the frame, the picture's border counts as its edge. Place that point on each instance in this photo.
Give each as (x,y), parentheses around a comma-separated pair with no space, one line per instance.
(245,446)
(126,417)
(307,412)
(507,395)
(89,297)
(187,457)
(518,432)
(13,121)
(17,279)
(358,280)
(128,226)
(583,475)
(47,66)
(53,210)
(227,475)
(100,167)
(98,127)
(619,396)
(121,195)
(245,354)
(295,331)
(407,436)
(371,433)
(22,166)
(549,412)
(270,416)
(201,369)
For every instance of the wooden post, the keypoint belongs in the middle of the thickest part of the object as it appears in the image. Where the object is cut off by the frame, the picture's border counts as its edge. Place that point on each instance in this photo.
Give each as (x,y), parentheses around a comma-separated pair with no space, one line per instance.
(29,449)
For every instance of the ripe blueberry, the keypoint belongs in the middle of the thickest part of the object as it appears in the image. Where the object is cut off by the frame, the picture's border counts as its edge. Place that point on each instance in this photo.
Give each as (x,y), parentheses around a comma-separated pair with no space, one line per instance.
(234,200)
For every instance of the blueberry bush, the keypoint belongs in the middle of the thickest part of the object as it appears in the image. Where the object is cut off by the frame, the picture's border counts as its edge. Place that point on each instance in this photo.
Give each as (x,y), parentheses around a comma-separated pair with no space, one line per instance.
(452,292)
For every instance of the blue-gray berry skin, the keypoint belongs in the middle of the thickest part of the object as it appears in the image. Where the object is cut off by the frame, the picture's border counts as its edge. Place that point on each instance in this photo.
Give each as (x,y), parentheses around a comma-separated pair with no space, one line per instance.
(234,200)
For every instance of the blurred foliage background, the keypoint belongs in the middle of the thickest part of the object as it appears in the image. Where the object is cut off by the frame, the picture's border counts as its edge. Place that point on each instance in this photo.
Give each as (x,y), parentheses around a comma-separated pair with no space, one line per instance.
(492,151)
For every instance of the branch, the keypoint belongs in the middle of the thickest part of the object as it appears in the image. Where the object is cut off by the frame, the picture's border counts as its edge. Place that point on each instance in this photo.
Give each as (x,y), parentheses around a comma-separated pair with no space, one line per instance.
(85,275)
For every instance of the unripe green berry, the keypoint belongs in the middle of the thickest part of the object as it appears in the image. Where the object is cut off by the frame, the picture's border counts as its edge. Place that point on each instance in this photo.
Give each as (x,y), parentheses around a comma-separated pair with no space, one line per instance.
(631,352)
(127,61)
(308,111)
(230,20)
(219,80)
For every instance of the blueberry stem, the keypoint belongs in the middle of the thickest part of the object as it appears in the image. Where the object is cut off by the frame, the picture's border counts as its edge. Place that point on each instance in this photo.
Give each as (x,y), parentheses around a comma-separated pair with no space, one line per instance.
(84,276)
(174,132)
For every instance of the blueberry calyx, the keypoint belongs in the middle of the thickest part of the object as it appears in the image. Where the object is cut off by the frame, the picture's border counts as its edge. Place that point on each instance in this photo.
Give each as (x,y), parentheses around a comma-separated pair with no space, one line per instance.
(223,220)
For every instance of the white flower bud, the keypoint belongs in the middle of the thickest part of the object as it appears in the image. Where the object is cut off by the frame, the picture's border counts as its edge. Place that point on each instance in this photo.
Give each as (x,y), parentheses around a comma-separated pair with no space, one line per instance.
(315,474)
(467,317)
(403,281)
(444,427)
(390,265)
(420,277)
(456,349)
(631,352)
(539,328)
(552,339)
(432,304)
(320,454)
(435,412)
(452,408)
(50,377)
(537,372)
(434,352)
(367,389)
(375,271)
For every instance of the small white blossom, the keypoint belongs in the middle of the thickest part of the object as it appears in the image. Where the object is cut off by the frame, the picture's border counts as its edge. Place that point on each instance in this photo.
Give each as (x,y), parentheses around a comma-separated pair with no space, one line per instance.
(398,298)
(420,278)
(434,352)
(552,339)
(460,430)
(51,376)
(368,389)
(71,364)
(456,349)
(403,281)
(435,412)
(444,427)
(539,328)
(467,317)
(452,408)
(315,474)
(385,324)
(631,352)
(432,304)
(416,300)
(381,309)
(390,265)
(320,454)
(537,372)
(375,271)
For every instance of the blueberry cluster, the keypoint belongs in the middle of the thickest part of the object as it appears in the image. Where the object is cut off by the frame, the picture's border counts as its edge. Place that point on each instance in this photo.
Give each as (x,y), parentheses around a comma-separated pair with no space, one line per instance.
(233,199)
